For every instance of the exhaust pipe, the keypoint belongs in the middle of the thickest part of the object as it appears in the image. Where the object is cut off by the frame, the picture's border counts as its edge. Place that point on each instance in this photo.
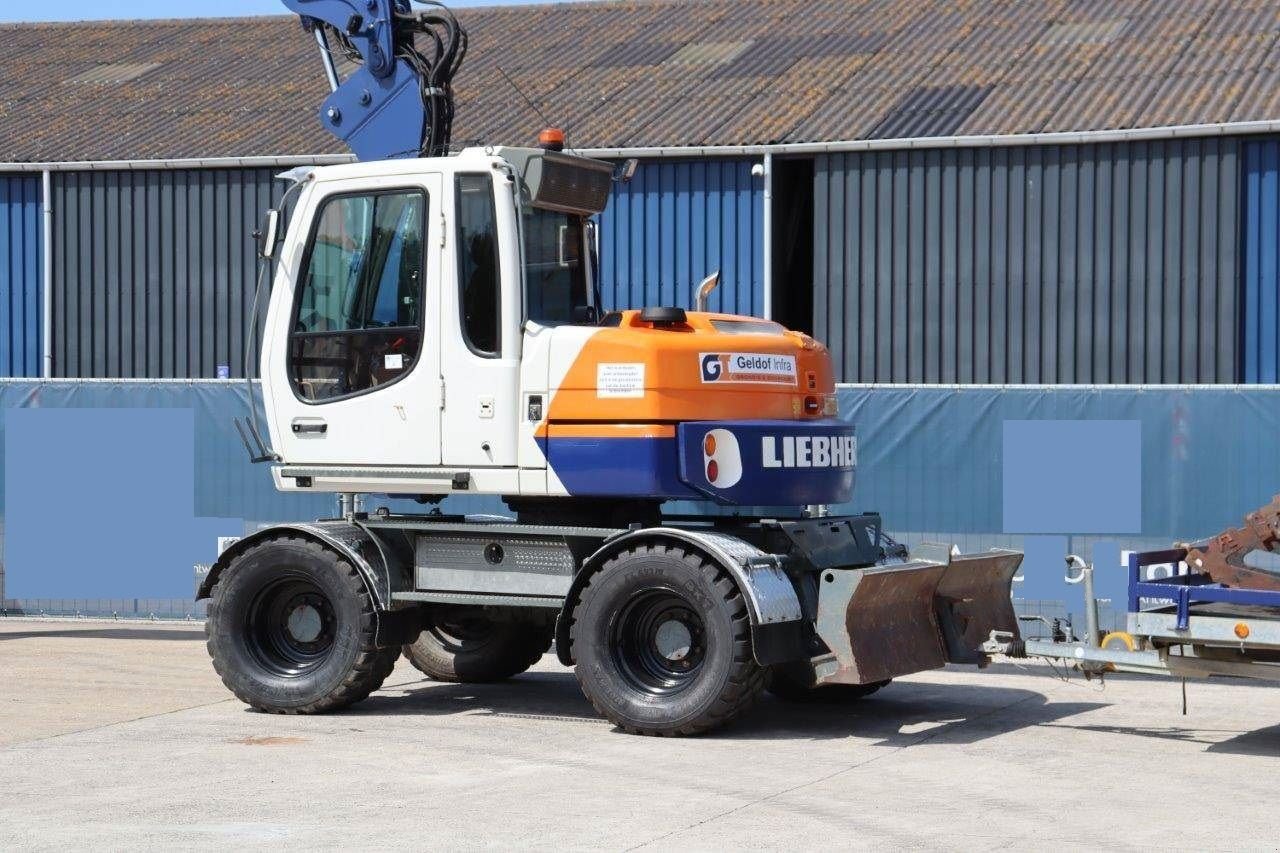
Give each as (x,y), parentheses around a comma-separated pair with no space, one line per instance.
(709,284)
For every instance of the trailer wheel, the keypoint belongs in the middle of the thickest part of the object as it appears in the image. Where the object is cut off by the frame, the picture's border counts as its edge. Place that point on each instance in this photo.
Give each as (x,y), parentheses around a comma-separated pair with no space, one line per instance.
(662,641)
(787,686)
(474,649)
(291,630)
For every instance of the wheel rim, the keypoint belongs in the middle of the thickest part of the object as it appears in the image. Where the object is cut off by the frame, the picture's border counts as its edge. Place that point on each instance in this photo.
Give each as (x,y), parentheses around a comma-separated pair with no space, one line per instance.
(658,642)
(292,626)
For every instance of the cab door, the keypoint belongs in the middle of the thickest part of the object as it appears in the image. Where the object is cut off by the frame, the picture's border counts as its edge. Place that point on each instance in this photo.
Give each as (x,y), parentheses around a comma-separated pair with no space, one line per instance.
(355,368)
(480,324)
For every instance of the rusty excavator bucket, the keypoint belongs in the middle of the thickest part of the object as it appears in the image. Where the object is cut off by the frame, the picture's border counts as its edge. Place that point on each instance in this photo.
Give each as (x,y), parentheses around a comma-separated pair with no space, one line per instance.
(885,621)
(1223,558)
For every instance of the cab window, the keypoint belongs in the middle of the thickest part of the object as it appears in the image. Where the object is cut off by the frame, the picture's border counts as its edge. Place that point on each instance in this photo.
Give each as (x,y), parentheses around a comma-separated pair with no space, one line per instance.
(554,270)
(358,319)
(478,268)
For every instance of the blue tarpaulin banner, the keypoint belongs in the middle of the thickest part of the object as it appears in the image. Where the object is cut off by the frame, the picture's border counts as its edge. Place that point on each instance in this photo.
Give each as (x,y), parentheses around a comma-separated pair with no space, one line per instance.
(95,474)
(933,459)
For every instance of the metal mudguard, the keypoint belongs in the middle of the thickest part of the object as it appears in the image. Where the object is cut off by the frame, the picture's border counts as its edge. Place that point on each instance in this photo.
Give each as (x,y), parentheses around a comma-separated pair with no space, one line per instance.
(886,621)
(375,560)
(352,542)
(776,616)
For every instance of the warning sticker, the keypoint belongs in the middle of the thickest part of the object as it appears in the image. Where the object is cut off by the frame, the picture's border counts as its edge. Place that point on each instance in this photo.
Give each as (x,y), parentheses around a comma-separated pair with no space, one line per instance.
(620,380)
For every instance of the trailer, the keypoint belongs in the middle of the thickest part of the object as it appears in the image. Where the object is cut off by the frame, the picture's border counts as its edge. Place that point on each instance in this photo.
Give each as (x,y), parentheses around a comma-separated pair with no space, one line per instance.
(1185,625)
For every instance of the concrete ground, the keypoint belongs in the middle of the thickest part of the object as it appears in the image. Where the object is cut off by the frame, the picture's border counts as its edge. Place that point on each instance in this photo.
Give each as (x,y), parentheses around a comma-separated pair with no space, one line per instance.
(122,737)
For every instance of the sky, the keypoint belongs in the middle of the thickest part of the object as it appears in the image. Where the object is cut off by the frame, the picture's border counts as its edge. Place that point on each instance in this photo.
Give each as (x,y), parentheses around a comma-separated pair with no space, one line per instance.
(97,10)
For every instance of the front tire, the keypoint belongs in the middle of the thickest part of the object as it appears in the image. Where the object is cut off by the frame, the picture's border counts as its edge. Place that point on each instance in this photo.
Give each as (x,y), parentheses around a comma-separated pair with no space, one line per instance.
(291,629)
(662,641)
(474,649)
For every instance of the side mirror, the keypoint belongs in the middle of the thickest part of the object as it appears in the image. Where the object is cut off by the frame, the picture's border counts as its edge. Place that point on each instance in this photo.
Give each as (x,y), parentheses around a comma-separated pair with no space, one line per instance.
(268,234)
(625,171)
(709,284)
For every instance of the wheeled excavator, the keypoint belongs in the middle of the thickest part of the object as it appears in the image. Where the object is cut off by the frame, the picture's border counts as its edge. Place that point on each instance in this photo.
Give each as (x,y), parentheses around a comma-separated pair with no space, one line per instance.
(435,329)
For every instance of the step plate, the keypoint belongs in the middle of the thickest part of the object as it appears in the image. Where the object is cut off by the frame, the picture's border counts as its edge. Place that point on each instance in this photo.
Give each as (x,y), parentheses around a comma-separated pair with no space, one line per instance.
(494,565)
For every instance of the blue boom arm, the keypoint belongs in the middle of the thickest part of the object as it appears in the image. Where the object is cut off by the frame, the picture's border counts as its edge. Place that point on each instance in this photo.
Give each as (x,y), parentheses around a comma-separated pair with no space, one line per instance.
(399,102)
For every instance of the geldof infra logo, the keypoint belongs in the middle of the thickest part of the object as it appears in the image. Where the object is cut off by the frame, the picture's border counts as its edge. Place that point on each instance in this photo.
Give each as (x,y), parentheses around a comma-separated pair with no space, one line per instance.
(721,458)
(749,368)
(713,366)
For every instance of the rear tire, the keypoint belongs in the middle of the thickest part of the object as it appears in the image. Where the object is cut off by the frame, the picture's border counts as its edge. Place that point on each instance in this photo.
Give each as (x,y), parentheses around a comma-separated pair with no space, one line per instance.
(291,629)
(474,649)
(662,641)
(787,686)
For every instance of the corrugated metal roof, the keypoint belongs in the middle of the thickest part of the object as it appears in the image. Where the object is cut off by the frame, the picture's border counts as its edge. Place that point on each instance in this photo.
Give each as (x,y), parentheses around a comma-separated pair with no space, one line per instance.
(115,72)
(931,111)
(702,53)
(1262,95)
(1085,31)
(662,72)
(625,53)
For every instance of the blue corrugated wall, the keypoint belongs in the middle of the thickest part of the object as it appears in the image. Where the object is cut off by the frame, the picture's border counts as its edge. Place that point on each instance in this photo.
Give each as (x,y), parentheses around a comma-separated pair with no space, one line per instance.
(20,268)
(675,223)
(1094,264)
(1261,237)
(154,271)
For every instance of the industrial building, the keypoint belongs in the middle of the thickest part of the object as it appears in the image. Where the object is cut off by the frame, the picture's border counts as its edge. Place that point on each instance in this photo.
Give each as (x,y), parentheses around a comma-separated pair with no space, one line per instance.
(947,194)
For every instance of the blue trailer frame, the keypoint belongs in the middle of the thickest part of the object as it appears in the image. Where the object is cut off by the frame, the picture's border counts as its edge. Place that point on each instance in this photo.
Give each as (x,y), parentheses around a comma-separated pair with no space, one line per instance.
(1166,637)
(1184,590)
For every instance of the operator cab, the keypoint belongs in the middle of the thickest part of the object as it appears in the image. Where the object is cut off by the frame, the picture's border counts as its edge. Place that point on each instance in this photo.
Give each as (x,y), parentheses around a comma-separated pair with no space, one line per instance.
(404,292)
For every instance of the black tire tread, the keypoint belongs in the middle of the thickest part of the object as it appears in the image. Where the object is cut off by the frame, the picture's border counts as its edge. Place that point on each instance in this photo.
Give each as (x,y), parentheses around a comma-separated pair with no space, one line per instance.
(517,657)
(746,679)
(372,666)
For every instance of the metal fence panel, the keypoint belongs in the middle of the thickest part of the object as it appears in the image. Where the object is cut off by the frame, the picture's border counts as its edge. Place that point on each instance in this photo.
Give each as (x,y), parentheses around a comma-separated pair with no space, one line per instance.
(21,267)
(677,222)
(1111,263)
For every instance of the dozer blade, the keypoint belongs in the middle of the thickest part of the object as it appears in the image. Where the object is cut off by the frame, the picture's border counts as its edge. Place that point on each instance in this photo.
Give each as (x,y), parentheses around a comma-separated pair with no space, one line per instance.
(882,622)
(974,598)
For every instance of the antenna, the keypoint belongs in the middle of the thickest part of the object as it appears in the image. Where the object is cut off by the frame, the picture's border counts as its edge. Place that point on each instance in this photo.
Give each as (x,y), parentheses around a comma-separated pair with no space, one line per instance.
(546,122)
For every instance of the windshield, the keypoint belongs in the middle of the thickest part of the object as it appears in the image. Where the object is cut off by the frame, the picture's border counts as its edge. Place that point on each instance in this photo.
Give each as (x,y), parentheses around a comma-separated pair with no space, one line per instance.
(555,270)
